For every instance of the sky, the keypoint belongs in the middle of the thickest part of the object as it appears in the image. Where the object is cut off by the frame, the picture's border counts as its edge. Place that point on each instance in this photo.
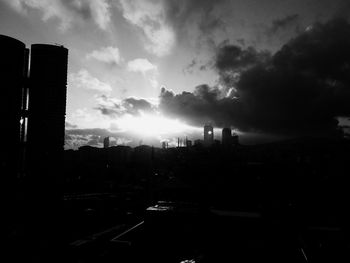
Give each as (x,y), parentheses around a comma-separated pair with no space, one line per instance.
(145,71)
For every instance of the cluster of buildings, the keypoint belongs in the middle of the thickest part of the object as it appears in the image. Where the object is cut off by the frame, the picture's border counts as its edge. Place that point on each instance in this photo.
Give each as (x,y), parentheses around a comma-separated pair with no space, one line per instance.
(33,107)
(228,139)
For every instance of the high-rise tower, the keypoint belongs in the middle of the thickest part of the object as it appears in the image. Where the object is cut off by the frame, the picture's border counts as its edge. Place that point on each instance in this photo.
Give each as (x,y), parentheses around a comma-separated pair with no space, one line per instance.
(47,110)
(106,142)
(47,97)
(13,72)
(42,143)
(226,136)
(208,135)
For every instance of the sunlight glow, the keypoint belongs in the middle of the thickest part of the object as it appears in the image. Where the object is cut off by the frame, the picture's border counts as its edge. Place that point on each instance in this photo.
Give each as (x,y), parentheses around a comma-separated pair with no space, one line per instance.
(152,125)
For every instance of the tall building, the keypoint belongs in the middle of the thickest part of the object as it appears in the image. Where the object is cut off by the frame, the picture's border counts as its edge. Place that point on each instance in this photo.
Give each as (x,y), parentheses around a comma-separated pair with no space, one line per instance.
(47,110)
(13,72)
(235,139)
(226,138)
(164,145)
(43,140)
(106,142)
(188,143)
(208,135)
(47,97)
(45,114)
(229,138)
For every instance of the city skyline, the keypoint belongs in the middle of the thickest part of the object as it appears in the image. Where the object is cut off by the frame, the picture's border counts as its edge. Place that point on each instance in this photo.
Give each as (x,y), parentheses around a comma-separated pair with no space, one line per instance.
(155,70)
(175,130)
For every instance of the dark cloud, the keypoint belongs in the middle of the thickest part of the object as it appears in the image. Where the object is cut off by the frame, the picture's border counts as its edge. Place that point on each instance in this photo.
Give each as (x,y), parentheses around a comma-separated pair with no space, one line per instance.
(284,23)
(196,64)
(235,58)
(203,67)
(241,41)
(111,107)
(299,90)
(191,66)
(205,104)
(181,14)
(343,10)
(70,126)
(231,60)
(134,106)
(109,111)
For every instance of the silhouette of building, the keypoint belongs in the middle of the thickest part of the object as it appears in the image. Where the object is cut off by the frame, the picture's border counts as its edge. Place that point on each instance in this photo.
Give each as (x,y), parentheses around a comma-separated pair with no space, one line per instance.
(198,142)
(226,136)
(47,93)
(143,155)
(32,156)
(47,109)
(235,139)
(208,135)
(45,114)
(165,145)
(13,70)
(106,142)
(117,155)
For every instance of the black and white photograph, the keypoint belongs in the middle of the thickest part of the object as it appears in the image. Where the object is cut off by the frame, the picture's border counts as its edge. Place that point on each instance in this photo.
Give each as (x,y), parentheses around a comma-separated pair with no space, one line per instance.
(175,131)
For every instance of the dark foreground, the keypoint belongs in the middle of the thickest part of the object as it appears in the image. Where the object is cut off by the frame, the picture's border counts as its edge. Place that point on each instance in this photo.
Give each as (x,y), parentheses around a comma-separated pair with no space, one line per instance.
(285,202)
(184,232)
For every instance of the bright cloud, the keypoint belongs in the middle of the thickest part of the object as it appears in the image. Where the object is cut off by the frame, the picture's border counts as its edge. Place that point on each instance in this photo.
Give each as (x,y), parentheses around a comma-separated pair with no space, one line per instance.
(110,55)
(80,115)
(148,70)
(150,17)
(141,65)
(139,117)
(152,125)
(84,80)
(84,118)
(127,128)
(101,13)
(67,12)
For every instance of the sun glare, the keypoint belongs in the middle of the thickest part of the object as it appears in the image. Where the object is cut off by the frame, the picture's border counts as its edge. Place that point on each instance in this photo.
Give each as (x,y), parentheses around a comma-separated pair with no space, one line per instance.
(152,125)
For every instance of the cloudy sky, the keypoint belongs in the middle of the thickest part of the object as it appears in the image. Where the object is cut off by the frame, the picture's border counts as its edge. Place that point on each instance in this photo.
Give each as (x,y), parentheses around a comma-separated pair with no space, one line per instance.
(143,71)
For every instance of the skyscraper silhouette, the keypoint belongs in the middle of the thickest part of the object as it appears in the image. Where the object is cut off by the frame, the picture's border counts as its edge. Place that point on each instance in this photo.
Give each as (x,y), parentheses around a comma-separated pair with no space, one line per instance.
(39,189)
(13,70)
(47,103)
(106,142)
(226,136)
(47,98)
(208,135)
